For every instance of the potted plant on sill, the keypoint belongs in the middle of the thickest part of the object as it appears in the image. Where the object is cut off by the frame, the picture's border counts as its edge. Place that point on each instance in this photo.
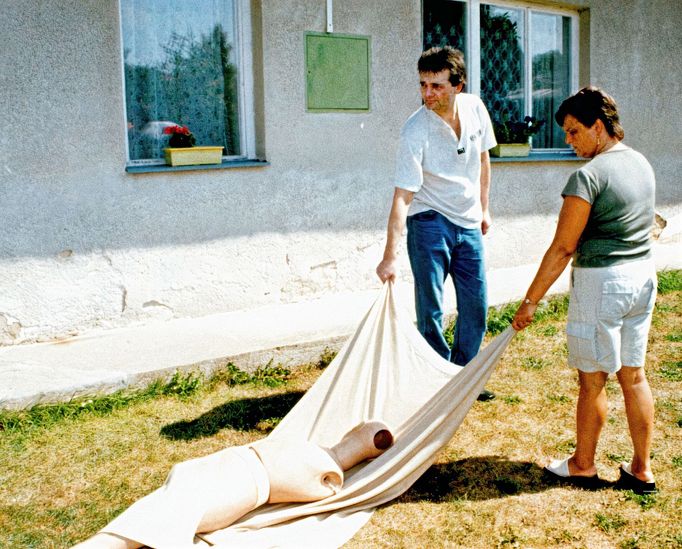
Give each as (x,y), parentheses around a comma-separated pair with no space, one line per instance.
(513,138)
(182,151)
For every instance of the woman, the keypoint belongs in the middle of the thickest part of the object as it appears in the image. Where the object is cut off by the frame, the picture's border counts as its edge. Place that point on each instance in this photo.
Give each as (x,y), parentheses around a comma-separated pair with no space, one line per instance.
(604,224)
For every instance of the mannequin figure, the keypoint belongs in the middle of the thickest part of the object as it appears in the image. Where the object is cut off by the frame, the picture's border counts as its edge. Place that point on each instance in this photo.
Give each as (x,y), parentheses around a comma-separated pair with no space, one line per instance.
(210,493)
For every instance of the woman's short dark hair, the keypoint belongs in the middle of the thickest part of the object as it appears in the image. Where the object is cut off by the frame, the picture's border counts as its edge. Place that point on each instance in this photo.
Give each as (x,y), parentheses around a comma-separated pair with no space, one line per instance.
(589,105)
(446,58)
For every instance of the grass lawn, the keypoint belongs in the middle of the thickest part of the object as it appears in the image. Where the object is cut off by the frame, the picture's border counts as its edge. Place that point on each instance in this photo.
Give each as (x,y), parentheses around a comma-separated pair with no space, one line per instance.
(66,470)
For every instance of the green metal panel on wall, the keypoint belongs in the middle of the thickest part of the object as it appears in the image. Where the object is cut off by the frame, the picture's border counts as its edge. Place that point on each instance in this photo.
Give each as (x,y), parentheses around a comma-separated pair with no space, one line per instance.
(337,72)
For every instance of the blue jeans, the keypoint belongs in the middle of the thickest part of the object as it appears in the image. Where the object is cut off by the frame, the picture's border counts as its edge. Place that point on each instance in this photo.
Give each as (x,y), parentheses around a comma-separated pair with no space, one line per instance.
(437,247)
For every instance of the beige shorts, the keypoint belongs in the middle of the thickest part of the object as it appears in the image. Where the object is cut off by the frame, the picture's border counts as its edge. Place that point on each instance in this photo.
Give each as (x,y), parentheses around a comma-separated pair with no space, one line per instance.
(609,316)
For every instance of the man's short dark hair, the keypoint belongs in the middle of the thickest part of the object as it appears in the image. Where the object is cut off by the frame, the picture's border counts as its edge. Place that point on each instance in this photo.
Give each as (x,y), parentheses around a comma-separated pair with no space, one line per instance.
(589,105)
(446,58)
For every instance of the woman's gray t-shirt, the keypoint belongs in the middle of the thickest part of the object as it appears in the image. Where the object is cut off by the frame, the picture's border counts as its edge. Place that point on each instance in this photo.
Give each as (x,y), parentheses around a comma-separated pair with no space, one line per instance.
(620,185)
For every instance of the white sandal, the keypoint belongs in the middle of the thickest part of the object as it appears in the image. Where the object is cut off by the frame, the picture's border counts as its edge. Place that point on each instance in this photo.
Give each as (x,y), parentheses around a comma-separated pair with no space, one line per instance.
(559,467)
(557,470)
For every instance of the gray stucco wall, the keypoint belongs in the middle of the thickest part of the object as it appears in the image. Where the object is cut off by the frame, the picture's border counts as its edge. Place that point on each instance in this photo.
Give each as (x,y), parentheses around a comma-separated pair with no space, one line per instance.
(86,245)
(635,51)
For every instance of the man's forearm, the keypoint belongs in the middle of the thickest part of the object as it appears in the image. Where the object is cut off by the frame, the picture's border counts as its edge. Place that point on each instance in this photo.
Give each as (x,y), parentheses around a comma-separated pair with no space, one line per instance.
(386,270)
(485,180)
(396,226)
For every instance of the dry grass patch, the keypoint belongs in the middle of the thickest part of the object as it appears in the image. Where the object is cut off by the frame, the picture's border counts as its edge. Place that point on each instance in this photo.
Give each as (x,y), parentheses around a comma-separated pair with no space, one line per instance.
(65,473)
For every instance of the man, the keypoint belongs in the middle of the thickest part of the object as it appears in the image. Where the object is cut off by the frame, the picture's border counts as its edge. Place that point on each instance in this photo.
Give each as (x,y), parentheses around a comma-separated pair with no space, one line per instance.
(441,193)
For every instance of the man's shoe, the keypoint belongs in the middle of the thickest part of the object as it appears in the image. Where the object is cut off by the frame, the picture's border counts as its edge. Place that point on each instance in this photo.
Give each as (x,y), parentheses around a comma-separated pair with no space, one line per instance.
(486,395)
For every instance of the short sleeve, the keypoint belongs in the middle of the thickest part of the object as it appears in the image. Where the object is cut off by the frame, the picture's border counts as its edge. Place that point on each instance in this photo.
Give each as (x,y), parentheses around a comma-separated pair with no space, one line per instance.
(583,185)
(488,140)
(408,172)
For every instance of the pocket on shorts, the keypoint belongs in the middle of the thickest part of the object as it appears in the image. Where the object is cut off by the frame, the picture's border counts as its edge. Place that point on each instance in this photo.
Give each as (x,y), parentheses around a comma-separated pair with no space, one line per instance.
(616,299)
(580,337)
(646,298)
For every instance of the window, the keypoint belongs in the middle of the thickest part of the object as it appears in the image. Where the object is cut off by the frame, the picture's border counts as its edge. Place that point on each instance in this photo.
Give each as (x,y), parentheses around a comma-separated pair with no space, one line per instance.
(522,60)
(183,63)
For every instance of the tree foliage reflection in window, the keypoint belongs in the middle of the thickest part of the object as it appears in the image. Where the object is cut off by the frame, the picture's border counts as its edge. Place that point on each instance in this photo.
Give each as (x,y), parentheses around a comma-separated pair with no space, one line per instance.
(185,76)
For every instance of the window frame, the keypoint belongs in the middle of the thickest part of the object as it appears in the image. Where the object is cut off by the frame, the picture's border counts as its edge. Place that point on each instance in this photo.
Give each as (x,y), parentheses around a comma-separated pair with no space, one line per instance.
(473,44)
(247,116)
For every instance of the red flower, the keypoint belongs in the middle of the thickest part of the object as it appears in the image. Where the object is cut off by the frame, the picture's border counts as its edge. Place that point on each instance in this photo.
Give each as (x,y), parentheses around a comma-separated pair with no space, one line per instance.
(180,136)
(183,130)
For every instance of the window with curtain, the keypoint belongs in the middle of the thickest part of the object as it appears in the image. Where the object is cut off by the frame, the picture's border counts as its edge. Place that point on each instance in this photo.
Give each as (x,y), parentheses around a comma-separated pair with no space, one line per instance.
(182,66)
(524,53)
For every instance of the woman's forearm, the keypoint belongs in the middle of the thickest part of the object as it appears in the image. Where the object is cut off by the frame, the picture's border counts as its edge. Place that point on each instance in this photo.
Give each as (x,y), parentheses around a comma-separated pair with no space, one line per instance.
(553,264)
(572,221)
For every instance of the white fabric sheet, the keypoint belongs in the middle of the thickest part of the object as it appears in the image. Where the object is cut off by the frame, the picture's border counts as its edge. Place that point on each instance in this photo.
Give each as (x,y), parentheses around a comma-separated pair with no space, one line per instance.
(385,371)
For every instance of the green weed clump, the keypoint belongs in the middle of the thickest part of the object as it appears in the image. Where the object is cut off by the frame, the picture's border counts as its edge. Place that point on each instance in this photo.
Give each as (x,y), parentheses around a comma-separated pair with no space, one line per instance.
(326,358)
(669,281)
(182,385)
(609,523)
(231,375)
(270,376)
(500,318)
(672,370)
(615,458)
(645,501)
(533,363)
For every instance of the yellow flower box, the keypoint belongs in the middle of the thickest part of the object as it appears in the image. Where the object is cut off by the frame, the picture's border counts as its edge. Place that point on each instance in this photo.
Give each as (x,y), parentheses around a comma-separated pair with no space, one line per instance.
(189,156)
(510,150)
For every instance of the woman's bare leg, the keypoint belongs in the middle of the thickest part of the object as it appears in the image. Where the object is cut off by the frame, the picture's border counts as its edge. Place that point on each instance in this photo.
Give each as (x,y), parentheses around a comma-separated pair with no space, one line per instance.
(639,408)
(590,418)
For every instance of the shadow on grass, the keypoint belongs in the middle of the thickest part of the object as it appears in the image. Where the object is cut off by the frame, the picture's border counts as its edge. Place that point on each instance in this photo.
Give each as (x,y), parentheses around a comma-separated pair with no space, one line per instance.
(241,415)
(478,478)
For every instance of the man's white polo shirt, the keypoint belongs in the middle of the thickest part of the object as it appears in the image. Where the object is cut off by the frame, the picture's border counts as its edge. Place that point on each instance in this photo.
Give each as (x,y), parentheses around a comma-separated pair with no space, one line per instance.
(444,172)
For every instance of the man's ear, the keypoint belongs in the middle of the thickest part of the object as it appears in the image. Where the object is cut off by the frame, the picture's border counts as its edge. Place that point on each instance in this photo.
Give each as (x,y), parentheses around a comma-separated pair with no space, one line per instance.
(459,87)
(599,127)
